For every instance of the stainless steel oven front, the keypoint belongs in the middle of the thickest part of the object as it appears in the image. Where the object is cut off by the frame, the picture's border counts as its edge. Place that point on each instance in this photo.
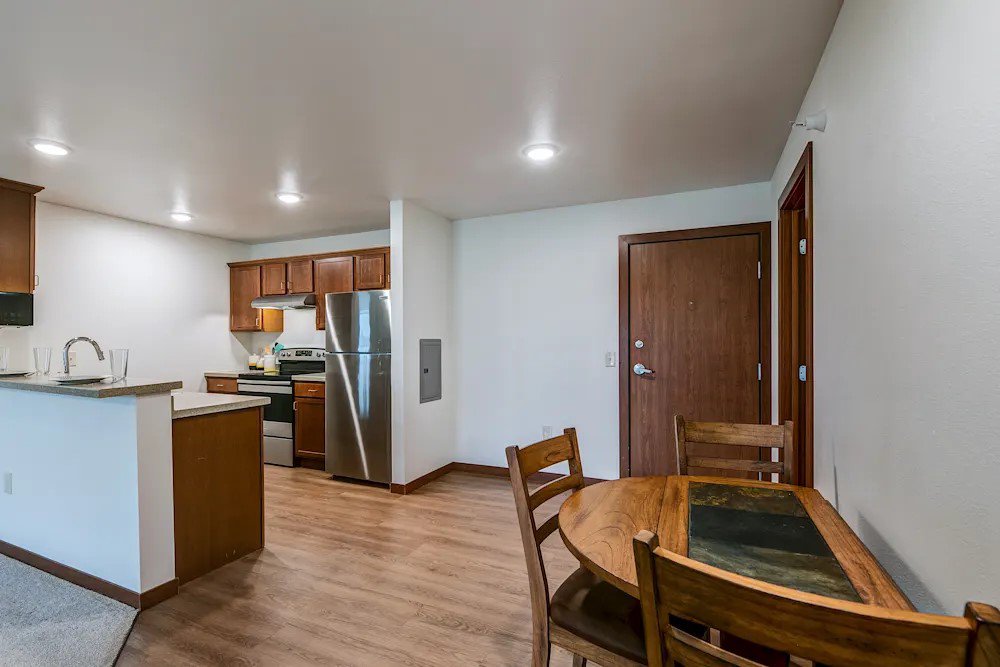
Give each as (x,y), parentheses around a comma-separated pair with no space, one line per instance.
(279,417)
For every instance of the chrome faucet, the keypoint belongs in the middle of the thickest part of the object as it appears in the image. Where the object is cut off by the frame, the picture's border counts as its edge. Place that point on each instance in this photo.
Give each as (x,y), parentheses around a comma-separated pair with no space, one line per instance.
(69,344)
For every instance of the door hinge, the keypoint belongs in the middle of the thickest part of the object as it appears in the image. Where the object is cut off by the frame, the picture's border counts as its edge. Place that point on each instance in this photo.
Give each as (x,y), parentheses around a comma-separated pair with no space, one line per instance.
(802,373)
(758,270)
(758,372)
(802,246)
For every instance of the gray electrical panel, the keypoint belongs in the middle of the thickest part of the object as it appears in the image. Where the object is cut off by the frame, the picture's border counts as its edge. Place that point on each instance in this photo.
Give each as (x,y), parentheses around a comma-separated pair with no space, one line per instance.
(430,369)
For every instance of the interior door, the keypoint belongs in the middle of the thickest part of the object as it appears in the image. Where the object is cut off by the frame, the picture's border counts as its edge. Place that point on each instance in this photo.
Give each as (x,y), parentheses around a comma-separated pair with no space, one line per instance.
(694,327)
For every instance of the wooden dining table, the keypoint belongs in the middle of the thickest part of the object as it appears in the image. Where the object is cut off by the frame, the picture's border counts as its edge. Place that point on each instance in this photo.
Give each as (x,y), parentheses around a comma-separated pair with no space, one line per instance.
(785,535)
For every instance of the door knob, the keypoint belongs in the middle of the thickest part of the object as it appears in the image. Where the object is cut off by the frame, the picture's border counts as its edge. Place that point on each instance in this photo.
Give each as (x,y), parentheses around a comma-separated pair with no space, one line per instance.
(641,370)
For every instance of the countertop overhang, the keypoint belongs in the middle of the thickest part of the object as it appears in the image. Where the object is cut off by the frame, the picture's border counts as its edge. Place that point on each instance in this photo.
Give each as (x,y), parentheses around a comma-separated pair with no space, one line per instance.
(194,404)
(126,387)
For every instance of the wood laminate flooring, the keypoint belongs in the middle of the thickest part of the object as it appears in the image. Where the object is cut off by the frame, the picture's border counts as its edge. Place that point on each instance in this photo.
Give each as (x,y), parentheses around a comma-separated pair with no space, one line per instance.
(354,575)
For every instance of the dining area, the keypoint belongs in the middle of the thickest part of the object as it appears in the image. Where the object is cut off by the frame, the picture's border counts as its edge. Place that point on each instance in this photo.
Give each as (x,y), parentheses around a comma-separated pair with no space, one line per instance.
(726,562)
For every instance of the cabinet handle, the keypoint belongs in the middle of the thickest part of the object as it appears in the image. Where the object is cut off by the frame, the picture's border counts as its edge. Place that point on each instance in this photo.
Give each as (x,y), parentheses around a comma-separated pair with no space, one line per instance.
(282,286)
(295,406)
(256,322)
(312,391)
(36,280)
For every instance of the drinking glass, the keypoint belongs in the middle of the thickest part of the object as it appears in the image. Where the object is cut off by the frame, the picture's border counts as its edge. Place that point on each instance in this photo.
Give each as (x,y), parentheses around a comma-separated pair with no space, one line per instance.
(4,352)
(43,360)
(119,364)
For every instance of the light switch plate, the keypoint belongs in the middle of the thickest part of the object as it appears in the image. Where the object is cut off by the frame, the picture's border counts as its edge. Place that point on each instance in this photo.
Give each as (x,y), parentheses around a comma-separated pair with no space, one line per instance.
(72,358)
(8,483)
(546,432)
(609,359)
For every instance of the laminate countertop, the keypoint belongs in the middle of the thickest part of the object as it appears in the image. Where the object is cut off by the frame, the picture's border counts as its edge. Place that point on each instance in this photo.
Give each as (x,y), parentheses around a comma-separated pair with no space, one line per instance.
(194,404)
(225,374)
(126,387)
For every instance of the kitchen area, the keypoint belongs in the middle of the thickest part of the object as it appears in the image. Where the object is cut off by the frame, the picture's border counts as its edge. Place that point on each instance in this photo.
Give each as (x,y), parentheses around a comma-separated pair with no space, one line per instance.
(118,472)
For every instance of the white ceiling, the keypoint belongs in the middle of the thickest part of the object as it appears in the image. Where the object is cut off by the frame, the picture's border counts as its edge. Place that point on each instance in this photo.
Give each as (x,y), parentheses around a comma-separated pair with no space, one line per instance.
(215,105)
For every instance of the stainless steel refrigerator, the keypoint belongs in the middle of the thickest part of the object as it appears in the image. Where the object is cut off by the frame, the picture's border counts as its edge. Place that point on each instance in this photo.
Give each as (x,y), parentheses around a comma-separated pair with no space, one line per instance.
(358,417)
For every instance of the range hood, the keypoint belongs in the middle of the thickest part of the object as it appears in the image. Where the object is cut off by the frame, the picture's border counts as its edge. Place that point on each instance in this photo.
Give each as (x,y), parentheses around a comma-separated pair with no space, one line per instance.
(285,302)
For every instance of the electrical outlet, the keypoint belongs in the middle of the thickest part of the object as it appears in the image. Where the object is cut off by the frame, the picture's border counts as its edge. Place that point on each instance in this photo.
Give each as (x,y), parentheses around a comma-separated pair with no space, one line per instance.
(72,358)
(609,359)
(8,483)
(546,432)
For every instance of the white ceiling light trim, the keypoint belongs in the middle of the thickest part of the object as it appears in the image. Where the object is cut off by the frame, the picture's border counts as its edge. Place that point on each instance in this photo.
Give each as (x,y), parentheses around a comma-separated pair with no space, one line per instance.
(540,152)
(289,197)
(181,216)
(49,147)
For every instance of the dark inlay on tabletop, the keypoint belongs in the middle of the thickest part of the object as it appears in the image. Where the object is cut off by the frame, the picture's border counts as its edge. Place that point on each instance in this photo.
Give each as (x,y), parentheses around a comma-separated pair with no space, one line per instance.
(765,534)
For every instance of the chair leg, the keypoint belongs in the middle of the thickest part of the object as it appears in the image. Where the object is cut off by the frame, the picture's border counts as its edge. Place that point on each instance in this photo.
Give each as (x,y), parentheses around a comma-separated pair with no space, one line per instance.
(540,649)
(579,661)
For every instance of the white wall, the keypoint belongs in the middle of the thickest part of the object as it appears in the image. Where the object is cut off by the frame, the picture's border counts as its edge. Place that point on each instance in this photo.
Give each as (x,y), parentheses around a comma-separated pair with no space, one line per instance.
(320,244)
(907,305)
(300,325)
(423,434)
(161,293)
(536,300)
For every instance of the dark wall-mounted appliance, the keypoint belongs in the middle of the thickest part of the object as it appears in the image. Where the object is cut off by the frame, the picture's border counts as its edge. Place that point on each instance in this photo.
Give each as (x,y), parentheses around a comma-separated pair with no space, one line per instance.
(16,309)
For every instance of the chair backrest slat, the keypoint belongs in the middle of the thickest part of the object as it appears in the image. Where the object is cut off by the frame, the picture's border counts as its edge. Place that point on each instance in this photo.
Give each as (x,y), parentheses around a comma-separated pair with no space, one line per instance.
(691,435)
(523,463)
(813,627)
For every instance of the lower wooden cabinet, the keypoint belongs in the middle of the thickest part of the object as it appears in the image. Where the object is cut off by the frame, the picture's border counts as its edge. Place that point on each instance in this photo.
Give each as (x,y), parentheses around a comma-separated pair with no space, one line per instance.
(310,421)
(218,490)
(220,385)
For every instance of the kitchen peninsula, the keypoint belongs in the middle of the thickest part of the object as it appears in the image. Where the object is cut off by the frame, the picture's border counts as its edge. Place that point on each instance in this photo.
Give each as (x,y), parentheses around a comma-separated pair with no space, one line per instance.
(93,476)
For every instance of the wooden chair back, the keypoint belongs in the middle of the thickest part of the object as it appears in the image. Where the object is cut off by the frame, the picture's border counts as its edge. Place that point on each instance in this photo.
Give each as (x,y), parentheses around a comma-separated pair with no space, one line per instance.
(825,630)
(524,462)
(690,434)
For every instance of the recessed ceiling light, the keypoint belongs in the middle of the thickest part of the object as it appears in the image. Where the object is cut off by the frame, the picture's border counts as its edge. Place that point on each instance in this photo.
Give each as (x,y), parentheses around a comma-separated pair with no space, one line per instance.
(289,197)
(181,216)
(540,152)
(49,147)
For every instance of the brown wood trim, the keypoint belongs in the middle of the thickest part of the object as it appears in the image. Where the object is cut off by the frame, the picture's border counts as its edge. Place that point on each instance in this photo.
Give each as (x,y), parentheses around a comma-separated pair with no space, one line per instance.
(323,255)
(798,195)
(20,187)
(158,594)
(476,469)
(625,242)
(145,600)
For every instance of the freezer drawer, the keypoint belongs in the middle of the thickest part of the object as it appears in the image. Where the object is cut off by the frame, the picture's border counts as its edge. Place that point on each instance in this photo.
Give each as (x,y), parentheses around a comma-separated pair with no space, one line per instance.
(358,424)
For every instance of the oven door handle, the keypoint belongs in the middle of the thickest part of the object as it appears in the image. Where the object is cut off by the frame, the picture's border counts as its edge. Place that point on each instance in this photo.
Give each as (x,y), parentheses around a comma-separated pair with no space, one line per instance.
(264,388)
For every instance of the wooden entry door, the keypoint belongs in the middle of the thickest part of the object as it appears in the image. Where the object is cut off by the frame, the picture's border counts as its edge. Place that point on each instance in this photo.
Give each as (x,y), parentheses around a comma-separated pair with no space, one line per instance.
(695,317)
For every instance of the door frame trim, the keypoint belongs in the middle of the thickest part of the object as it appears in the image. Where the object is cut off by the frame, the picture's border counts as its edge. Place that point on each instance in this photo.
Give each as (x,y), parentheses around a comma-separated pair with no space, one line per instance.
(763,232)
(798,195)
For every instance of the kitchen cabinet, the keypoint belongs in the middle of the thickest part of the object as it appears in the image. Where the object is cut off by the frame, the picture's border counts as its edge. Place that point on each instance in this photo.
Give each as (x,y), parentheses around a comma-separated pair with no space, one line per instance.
(221,385)
(273,279)
(17,236)
(300,276)
(310,421)
(245,285)
(332,274)
(370,272)
(218,490)
(320,274)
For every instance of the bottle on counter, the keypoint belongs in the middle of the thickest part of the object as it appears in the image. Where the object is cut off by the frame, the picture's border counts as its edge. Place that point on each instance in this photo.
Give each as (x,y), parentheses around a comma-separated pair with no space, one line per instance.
(252,361)
(270,362)
(260,359)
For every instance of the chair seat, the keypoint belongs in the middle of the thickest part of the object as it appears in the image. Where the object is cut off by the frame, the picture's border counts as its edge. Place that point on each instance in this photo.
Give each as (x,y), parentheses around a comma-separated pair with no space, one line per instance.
(600,613)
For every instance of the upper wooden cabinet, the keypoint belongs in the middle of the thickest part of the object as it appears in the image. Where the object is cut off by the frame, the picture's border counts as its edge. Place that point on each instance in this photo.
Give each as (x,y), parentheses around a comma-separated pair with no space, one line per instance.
(245,285)
(370,271)
(17,236)
(273,279)
(346,271)
(300,276)
(333,274)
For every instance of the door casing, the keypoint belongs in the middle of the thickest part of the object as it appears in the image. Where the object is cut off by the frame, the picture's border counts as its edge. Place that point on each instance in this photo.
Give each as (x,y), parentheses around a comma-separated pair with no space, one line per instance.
(763,232)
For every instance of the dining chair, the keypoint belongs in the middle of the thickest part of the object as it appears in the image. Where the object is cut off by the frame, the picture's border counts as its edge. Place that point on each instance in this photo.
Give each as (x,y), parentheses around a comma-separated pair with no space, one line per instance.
(825,630)
(587,616)
(691,435)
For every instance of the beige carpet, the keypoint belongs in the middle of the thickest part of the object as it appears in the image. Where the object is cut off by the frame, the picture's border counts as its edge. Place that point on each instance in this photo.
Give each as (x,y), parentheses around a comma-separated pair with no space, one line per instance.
(47,621)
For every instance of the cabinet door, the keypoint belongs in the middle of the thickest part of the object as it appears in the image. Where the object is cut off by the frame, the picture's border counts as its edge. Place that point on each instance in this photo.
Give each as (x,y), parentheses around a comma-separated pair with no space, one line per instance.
(273,279)
(17,236)
(310,428)
(300,276)
(369,272)
(333,274)
(244,287)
